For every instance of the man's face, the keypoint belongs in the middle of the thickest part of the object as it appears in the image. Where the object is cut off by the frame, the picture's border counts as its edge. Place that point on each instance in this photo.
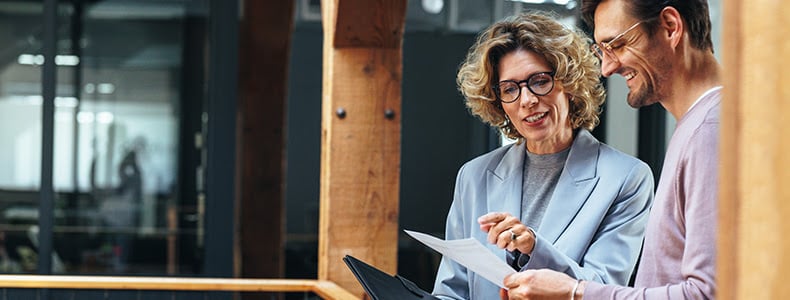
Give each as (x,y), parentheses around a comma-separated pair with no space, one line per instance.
(637,57)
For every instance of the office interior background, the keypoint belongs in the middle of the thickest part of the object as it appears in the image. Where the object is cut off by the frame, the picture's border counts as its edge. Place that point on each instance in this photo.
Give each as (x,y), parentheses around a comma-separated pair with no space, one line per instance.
(137,92)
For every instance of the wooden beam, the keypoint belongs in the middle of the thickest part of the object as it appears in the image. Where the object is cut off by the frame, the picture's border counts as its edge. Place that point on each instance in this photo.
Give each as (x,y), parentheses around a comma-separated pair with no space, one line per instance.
(155,283)
(367,23)
(753,208)
(265,39)
(325,289)
(360,143)
(726,269)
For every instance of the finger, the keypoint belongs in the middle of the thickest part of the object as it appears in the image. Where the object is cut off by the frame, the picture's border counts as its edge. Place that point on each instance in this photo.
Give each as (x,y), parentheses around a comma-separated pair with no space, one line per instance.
(510,233)
(511,281)
(503,294)
(488,221)
(508,278)
(493,217)
(502,223)
(504,239)
(507,223)
(496,235)
(514,241)
(486,227)
(520,238)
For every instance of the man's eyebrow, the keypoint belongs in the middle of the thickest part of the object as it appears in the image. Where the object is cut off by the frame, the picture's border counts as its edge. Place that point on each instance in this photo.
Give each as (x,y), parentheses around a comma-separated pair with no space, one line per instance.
(605,39)
(598,42)
(611,37)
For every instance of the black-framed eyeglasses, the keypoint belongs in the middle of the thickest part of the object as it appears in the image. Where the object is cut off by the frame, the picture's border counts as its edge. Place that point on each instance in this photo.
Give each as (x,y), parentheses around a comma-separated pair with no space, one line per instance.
(607,48)
(540,84)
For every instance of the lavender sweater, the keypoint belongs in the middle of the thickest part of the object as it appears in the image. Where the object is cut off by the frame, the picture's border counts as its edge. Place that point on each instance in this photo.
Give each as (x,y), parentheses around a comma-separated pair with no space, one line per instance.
(679,254)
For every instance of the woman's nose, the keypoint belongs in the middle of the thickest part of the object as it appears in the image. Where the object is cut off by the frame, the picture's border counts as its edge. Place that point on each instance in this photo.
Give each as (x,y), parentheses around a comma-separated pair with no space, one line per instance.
(527,97)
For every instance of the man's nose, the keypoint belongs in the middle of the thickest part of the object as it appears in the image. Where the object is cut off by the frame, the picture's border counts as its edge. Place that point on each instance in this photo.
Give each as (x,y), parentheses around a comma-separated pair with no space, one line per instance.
(609,65)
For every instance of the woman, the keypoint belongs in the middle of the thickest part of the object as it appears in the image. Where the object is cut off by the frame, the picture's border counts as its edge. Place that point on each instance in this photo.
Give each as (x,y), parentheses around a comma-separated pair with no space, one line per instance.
(557,198)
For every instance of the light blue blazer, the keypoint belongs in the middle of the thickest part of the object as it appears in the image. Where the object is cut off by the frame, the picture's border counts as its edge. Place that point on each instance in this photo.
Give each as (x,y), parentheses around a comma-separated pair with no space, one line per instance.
(592,229)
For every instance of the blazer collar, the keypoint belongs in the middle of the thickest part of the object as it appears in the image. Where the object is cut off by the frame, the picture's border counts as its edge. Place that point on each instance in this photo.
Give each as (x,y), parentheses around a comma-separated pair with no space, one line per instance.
(581,163)
(505,179)
(576,183)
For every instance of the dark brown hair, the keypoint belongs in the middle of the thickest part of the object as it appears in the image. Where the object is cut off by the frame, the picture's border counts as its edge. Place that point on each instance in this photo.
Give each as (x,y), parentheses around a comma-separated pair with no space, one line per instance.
(694,13)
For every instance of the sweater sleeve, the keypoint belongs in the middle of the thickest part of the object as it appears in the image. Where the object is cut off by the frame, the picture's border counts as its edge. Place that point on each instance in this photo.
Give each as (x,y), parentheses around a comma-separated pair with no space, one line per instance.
(697,180)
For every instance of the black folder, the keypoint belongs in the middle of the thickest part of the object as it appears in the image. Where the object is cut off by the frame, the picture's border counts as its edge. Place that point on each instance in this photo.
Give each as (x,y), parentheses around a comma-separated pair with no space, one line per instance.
(382,286)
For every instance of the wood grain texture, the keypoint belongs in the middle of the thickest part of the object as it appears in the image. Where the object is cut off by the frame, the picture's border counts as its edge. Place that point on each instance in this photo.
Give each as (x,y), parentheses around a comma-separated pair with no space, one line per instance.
(369,23)
(360,152)
(752,258)
(265,39)
(325,289)
(726,268)
(360,161)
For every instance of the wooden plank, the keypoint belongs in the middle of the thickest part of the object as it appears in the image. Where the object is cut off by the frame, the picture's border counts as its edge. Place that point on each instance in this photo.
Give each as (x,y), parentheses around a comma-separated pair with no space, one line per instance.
(360,150)
(330,290)
(324,289)
(360,163)
(265,40)
(726,267)
(368,23)
(754,206)
(157,283)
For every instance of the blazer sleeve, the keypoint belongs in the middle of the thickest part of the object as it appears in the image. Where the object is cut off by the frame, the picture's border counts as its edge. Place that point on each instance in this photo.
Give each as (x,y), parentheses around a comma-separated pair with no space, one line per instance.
(621,230)
(452,281)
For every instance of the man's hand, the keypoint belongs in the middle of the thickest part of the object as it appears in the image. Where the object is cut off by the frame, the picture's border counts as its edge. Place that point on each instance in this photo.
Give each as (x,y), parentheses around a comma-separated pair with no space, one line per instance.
(540,284)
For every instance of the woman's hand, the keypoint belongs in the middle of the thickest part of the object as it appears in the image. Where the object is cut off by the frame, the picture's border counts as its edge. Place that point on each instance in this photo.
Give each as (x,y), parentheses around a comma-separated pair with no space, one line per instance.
(507,232)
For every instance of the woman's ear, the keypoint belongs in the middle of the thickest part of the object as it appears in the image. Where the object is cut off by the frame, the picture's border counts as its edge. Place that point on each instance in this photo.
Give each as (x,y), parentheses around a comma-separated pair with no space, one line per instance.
(671,25)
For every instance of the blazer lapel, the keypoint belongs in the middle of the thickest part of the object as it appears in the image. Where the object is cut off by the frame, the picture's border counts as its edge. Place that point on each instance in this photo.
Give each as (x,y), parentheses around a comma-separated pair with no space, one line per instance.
(504,180)
(575,184)
(503,186)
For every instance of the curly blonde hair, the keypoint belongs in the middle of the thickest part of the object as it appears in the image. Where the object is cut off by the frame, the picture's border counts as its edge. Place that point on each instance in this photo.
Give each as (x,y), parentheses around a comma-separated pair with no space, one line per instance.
(566,50)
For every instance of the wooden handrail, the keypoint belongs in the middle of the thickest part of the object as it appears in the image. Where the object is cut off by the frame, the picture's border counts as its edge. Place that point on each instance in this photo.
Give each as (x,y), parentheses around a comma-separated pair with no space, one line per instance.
(324,289)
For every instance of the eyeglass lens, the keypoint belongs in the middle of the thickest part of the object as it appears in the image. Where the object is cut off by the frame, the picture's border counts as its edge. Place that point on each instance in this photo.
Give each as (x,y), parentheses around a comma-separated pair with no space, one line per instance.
(606,47)
(597,51)
(539,84)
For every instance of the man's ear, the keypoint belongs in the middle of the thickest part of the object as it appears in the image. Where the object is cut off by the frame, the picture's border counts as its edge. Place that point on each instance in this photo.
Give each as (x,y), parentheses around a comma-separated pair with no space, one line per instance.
(671,25)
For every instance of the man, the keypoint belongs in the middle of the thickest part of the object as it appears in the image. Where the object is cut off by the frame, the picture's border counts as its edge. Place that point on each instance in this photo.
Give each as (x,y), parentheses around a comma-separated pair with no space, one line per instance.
(664,51)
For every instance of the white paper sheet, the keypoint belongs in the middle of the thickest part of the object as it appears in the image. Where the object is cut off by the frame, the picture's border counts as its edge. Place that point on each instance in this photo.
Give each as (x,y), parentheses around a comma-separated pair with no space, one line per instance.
(470,254)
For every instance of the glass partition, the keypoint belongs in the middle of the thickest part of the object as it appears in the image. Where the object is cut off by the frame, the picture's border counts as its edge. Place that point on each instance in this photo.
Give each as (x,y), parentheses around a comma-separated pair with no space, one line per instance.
(119,146)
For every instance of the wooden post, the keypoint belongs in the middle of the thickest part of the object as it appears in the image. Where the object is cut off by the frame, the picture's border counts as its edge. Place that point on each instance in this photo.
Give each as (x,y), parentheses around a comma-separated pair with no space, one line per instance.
(754,206)
(265,40)
(360,142)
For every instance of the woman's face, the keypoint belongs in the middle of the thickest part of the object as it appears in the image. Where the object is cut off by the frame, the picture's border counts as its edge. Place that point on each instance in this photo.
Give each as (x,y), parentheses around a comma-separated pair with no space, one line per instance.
(541,120)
